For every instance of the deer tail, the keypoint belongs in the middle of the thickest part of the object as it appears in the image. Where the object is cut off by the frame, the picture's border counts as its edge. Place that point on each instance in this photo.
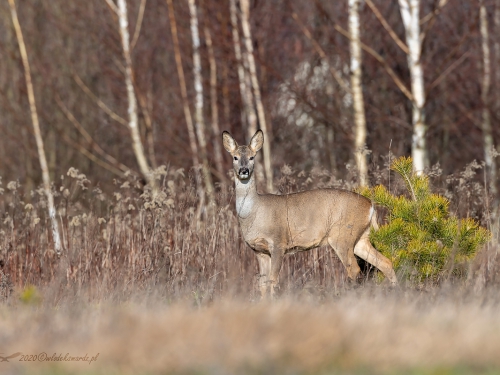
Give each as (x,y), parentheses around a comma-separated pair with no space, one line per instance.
(373,219)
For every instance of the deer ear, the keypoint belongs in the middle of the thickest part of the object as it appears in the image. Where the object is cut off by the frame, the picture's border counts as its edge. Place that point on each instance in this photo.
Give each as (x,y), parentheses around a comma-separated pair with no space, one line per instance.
(257,141)
(229,143)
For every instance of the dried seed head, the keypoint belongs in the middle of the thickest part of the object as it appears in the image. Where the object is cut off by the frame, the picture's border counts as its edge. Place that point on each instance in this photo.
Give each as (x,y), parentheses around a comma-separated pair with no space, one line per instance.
(13,185)
(75,221)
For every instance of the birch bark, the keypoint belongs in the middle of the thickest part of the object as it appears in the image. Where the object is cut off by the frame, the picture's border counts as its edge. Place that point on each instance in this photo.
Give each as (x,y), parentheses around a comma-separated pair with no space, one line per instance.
(496,21)
(36,129)
(245,24)
(485,89)
(357,93)
(133,122)
(411,21)
(198,104)
(185,102)
(213,103)
(249,118)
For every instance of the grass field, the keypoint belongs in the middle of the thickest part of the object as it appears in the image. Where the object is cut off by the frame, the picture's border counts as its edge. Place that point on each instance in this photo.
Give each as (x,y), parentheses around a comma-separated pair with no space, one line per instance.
(367,330)
(162,286)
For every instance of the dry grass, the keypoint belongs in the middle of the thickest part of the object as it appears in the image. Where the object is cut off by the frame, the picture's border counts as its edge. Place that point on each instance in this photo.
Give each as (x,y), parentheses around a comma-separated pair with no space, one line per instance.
(160,286)
(367,330)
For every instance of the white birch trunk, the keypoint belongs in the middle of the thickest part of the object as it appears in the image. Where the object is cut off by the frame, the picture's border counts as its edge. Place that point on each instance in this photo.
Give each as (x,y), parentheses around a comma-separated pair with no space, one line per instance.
(496,31)
(213,103)
(410,10)
(357,93)
(36,130)
(133,122)
(185,102)
(198,104)
(250,118)
(245,24)
(485,89)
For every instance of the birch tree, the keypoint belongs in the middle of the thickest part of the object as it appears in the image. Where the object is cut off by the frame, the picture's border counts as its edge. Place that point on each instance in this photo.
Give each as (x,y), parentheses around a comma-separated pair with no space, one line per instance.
(411,21)
(185,102)
(245,25)
(357,93)
(133,123)
(249,118)
(198,105)
(213,103)
(248,115)
(36,129)
(496,31)
(485,89)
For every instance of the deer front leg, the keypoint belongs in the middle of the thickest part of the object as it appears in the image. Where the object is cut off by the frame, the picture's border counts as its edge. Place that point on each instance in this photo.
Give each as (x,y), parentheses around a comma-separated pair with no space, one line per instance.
(276,262)
(264,272)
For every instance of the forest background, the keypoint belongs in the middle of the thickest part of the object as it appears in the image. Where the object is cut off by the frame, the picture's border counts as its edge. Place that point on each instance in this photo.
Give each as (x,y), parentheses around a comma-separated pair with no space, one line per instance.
(115,187)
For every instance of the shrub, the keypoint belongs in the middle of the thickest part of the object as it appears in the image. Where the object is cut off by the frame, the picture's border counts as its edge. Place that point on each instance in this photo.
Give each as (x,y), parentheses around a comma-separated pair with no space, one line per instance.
(421,237)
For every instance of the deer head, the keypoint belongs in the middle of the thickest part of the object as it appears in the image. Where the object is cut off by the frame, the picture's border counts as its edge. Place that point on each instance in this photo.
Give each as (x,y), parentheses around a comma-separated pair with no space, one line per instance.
(243,156)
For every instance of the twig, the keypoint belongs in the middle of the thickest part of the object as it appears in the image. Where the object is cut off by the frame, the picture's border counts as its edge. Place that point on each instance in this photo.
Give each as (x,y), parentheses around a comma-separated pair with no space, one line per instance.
(98,101)
(112,5)
(138,24)
(372,52)
(322,53)
(448,70)
(387,27)
(110,159)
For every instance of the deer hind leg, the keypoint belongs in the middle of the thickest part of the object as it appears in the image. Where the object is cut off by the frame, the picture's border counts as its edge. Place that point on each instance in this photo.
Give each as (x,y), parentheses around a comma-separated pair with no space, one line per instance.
(366,251)
(264,273)
(345,253)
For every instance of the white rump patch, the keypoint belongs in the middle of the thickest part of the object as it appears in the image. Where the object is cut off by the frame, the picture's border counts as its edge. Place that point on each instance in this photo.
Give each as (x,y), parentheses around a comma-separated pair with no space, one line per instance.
(372,210)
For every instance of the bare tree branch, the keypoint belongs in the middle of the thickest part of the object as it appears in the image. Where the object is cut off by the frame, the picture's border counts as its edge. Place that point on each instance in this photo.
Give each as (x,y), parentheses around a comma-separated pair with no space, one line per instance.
(387,27)
(430,19)
(336,75)
(371,52)
(98,101)
(138,24)
(91,142)
(112,5)
(447,71)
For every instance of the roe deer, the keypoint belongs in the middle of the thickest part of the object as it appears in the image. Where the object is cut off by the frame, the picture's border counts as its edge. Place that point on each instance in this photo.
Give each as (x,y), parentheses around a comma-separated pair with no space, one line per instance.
(275,225)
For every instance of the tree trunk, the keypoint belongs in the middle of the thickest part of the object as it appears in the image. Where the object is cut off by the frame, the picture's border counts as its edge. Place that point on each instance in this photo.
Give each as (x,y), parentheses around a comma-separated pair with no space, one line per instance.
(410,15)
(357,93)
(198,105)
(133,122)
(36,130)
(185,102)
(485,89)
(496,32)
(213,104)
(245,23)
(249,118)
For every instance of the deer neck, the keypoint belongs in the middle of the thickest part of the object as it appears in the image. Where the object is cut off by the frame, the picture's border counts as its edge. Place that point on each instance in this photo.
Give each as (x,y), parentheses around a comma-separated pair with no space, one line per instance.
(246,196)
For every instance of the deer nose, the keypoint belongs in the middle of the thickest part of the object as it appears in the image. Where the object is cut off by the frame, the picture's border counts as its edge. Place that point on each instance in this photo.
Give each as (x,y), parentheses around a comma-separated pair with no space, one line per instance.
(244,172)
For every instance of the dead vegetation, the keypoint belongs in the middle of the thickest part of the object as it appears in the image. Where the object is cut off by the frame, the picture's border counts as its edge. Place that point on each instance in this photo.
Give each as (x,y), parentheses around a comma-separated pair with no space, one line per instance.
(161,285)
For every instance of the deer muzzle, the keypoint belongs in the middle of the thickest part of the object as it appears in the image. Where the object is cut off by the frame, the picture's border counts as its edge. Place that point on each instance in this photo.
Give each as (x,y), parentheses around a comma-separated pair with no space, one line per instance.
(244,173)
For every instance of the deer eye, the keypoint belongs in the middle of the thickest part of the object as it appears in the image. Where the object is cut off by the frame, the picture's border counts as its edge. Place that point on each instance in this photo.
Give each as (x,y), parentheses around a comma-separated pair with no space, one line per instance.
(235,158)
(251,157)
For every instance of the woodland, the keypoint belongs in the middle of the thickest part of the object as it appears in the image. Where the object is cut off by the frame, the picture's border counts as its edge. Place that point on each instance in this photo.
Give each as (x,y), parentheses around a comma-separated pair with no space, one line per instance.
(117,219)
